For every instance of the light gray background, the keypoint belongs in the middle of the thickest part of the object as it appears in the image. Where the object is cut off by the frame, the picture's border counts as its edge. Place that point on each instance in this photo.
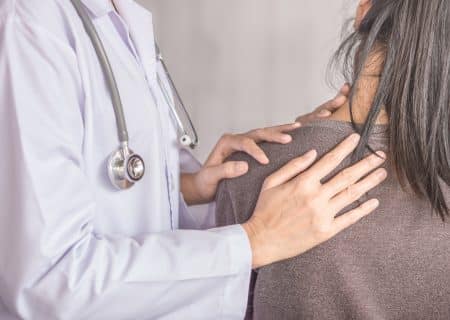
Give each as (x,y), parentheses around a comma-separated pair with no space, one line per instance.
(243,64)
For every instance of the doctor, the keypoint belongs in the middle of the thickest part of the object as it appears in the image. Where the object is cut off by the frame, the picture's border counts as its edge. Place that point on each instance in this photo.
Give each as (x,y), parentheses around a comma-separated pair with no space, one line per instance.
(74,247)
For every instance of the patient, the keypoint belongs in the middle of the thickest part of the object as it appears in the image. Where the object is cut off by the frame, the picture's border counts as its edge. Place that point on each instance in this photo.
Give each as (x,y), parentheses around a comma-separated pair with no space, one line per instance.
(395,264)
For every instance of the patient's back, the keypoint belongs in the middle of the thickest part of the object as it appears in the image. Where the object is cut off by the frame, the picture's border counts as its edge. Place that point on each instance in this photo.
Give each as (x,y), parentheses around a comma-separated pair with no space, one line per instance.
(395,264)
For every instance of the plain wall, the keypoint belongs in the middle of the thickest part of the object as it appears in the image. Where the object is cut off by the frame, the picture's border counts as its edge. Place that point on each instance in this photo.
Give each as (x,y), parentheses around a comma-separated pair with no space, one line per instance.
(243,64)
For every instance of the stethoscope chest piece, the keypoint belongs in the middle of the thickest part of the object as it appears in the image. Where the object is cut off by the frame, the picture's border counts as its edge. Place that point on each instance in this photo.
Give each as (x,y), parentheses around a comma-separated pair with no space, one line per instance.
(125,168)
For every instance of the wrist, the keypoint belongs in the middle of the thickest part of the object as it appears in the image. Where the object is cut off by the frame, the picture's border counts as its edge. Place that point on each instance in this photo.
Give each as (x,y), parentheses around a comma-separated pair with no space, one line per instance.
(259,256)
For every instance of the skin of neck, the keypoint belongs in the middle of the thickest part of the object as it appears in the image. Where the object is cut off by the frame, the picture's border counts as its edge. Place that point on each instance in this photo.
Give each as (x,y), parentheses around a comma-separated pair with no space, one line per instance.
(364,94)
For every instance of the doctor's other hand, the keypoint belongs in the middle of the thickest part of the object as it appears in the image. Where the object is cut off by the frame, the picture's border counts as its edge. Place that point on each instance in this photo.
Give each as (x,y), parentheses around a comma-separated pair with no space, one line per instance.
(296,212)
(201,187)
(328,108)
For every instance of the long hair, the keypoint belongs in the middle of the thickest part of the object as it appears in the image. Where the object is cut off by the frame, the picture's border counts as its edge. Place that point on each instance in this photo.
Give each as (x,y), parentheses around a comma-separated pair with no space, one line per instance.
(414,88)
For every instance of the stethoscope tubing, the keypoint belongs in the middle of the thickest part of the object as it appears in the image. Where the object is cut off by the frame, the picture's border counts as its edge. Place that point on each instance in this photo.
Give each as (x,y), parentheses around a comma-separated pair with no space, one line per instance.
(122,131)
(193,141)
(186,139)
(125,167)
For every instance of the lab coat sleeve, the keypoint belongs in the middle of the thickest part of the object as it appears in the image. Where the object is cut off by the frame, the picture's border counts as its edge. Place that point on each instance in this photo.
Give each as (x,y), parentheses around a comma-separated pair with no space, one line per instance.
(52,263)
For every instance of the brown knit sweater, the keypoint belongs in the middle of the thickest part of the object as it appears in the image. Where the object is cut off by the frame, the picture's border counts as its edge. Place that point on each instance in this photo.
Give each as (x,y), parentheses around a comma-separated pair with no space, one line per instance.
(395,264)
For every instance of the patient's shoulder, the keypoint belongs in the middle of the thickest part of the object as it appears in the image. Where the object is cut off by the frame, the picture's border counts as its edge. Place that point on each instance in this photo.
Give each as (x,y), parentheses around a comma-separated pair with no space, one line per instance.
(321,136)
(243,192)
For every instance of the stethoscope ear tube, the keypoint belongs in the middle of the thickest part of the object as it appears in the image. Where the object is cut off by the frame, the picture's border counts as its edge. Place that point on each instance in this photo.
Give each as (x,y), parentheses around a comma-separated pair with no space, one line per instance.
(188,134)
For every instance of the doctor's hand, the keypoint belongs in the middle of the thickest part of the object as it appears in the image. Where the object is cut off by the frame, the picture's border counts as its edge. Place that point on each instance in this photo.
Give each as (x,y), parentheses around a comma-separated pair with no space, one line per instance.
(328,108)
(296,212)
(201,187)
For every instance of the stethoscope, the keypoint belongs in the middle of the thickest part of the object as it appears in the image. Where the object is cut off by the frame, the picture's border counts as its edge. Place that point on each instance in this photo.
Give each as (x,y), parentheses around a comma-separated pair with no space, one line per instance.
(125,167)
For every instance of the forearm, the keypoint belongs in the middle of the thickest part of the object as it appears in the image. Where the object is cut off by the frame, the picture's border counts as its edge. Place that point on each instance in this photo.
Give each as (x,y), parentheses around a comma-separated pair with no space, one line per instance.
(89,278)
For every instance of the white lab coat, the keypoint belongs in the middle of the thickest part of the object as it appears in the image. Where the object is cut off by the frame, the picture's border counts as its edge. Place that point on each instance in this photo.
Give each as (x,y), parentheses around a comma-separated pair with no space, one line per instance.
(72,247)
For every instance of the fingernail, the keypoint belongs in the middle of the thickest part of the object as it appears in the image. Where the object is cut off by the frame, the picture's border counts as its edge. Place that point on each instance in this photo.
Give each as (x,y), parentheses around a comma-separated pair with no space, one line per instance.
(372,204)
(264,159)
(346,87)
(297,125)
(376,159)
(382,174)
(381,154)
(286,138)
(311,155)
(355,138)
(324,113)
(241,167)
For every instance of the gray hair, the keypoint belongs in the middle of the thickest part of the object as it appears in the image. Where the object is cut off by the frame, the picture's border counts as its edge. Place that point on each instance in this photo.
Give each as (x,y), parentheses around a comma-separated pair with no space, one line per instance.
(414,36)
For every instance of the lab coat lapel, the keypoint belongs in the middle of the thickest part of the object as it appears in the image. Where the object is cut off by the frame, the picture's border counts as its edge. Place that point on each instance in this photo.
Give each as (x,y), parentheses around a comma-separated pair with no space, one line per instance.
(140,25)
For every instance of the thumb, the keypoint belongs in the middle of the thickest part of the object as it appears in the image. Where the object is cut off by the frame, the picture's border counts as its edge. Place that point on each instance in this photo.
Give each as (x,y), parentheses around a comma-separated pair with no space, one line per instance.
(227,170)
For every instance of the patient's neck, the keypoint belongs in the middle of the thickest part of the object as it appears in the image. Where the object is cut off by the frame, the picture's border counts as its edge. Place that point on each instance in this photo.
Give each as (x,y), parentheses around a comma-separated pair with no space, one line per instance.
(364,94)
